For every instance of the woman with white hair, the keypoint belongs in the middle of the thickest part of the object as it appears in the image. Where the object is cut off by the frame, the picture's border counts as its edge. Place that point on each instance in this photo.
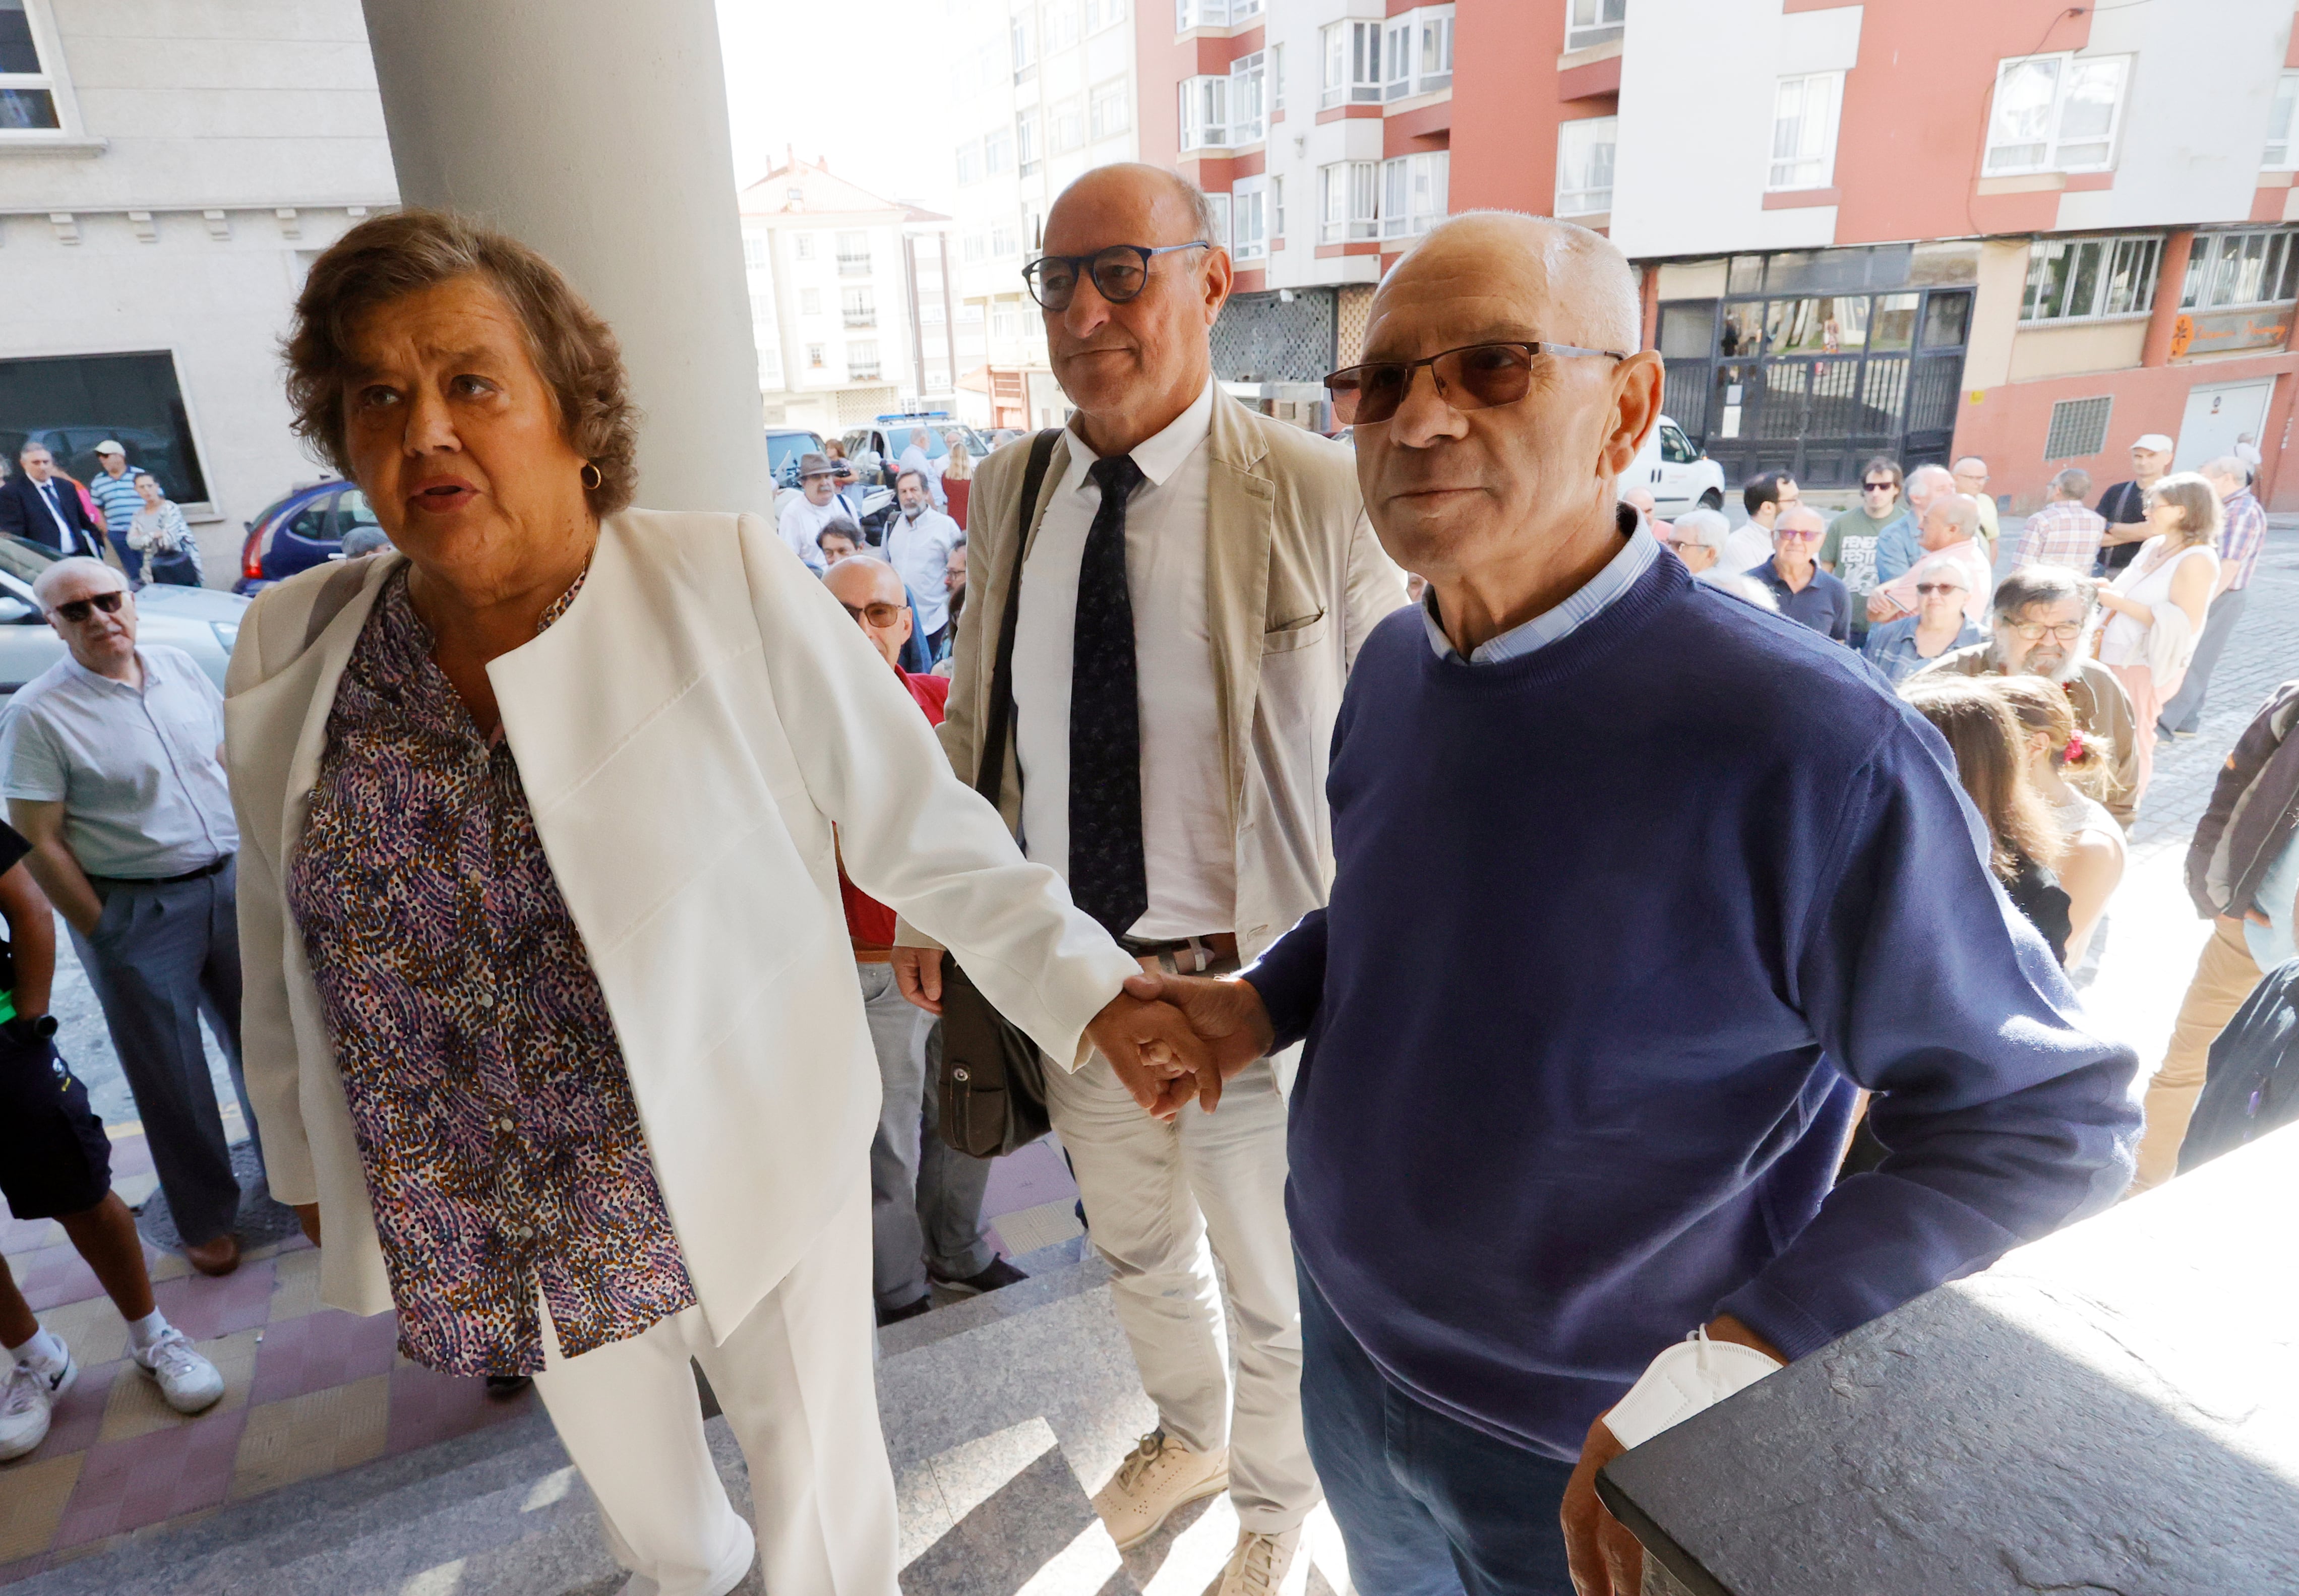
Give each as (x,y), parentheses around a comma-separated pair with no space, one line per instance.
(2156,604)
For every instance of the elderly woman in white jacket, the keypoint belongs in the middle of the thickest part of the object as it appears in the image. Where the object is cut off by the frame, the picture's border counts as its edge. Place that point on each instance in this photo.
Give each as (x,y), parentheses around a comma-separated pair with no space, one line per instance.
(550,1021)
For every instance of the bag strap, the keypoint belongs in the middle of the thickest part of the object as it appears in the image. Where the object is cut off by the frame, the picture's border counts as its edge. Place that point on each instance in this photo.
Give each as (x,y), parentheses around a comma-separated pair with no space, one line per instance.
(990,775)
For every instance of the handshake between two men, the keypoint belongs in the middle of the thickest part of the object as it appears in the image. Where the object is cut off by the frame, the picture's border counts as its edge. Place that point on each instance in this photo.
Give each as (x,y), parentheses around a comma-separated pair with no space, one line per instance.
(1168,1037)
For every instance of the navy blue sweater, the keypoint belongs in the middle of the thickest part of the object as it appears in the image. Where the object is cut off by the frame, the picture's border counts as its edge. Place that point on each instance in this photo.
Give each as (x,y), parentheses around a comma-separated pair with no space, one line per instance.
(1617,926)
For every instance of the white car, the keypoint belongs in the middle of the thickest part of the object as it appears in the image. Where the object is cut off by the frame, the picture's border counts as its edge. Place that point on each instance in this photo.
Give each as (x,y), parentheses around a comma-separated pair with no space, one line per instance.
(1678,476)
(202,622)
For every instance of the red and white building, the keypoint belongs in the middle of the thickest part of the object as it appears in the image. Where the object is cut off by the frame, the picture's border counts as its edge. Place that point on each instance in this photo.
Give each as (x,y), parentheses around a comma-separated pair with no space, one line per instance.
(2009,227)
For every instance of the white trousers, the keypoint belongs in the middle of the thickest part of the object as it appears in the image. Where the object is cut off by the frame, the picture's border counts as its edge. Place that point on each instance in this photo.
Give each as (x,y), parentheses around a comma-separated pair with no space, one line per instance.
(795,1380)
(1154,1197)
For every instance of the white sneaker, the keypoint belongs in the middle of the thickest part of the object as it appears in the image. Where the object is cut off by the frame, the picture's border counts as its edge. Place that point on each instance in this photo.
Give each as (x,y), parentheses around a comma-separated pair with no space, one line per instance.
(1157,1476)
(25,1403)
(1260,1563)
(188,1381)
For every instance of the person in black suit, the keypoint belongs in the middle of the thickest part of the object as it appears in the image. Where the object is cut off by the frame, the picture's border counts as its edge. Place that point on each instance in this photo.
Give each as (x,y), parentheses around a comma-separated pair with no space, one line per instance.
(40,504)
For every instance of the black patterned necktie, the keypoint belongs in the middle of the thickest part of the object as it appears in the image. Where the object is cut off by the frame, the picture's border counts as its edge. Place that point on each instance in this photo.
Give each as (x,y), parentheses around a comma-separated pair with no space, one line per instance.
(1107,878)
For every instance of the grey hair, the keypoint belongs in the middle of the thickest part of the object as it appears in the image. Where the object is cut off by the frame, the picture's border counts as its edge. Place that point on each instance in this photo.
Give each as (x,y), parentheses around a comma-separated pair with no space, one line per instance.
(1974,459)
(1962,510)
(908,471)
(1706,527)
(2227,467)
(32,445)
(1929,474)
(77,564)
(2074,483)
(2039,584)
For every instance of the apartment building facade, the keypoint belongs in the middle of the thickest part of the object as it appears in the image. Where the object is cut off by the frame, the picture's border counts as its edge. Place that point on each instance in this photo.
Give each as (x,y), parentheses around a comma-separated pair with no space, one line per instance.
(2017,229)
(1043,89)
(851,306)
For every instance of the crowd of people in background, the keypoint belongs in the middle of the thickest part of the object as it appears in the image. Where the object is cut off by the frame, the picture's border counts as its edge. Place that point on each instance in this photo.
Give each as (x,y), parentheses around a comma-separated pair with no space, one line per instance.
(120,504)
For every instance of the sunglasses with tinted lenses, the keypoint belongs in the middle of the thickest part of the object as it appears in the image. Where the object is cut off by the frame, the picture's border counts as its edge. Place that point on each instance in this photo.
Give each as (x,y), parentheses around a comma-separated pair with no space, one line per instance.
(1879,487)
(1475,377)
(77,611)
(1929,588)
(879,615)
(1119,273)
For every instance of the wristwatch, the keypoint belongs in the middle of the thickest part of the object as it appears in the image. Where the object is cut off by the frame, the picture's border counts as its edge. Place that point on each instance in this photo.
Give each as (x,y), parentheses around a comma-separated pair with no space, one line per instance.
(1696,1373)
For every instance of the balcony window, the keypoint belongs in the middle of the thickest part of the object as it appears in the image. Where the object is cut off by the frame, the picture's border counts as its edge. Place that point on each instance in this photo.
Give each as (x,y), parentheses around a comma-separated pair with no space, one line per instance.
(1595,22)
(1020,46)
(1413,194)
(854,255)
(754,251)
(997,152)
(1025,141)
(1103,13)
(2055,113)
(28,85)
(1803,131)
(1249,221)
(856,309)
(1584,165)
(2283,123)
(1352,75)
(1417,49)
(1107,110)
(1247,76)
(1068,124)
(1213,14)
(810,301)
(1004,240)
(1204,112)
(1349,202)
(969,163)
(862,360)
(2258,265)
(2079,279)
(1061,24)
(1276,192)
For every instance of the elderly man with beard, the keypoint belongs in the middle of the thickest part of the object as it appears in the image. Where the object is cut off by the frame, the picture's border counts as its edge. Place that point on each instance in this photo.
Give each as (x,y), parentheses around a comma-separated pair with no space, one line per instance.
(2040,614)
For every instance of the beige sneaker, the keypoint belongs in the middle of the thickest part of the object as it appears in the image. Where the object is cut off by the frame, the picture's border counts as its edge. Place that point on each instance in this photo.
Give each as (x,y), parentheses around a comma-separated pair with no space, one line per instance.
(1157,1476)
(1260,1563)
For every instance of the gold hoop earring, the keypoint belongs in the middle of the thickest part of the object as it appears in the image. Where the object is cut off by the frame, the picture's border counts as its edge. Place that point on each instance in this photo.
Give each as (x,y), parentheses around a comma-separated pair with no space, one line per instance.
(592,477)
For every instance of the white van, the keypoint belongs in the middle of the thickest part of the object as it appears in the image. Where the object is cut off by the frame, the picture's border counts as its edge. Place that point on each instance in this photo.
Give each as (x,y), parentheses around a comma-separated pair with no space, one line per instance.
(1678,476)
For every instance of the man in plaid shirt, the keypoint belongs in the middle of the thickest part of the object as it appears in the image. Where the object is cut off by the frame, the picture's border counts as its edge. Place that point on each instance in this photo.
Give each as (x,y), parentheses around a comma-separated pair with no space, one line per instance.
(2066,532)
(2242,535)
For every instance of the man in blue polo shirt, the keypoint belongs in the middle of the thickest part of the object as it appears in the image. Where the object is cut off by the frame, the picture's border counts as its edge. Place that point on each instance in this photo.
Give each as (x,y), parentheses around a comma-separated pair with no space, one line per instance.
(1805,594)
(1562,1107)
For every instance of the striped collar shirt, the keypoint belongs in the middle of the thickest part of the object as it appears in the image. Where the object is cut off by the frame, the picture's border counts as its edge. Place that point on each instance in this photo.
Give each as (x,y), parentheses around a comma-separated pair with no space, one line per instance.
(2242,536)
(2062,532)
(1552,625)
(117,498)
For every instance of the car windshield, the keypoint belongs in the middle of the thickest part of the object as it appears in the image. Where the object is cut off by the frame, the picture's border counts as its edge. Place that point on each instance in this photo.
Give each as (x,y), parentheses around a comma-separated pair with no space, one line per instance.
(898,437)
(23,559)
(783,450)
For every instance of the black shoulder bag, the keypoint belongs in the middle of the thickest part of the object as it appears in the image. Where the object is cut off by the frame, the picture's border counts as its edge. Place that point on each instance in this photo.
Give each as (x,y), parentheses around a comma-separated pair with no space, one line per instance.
(992,1089)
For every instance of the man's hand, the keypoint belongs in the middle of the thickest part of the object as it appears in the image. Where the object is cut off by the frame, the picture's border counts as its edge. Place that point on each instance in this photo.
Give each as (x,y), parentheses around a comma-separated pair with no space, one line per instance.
(1604,1557)
(1157,1058)
(918,972)
(1882,608)
(1226,1012)
(307,1214)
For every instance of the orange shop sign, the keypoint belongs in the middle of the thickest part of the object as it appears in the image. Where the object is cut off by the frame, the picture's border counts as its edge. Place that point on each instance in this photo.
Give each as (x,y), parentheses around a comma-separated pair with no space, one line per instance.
(2221,331)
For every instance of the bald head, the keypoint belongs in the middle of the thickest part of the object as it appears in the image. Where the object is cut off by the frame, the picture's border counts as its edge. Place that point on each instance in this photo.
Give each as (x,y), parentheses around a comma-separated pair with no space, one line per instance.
(1137,182)
(1582,284)
(868,580)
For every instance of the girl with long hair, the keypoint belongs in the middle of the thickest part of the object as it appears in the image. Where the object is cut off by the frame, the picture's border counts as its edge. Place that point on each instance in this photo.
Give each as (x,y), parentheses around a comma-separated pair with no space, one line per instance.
(2071,771)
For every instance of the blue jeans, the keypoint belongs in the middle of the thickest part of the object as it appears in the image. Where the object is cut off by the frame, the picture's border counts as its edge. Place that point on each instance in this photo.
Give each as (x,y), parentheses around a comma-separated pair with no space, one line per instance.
(1427,1505)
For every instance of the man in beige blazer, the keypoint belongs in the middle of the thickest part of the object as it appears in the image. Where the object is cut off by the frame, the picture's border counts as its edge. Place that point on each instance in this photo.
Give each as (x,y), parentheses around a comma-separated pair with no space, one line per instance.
(1196,582)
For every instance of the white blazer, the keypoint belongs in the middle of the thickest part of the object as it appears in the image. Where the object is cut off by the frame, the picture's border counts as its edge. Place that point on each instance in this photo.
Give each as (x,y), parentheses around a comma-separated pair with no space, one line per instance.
(687,733)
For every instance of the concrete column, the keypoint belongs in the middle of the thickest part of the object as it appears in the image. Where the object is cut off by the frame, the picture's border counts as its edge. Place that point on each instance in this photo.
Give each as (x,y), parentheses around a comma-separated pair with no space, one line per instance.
(597,134)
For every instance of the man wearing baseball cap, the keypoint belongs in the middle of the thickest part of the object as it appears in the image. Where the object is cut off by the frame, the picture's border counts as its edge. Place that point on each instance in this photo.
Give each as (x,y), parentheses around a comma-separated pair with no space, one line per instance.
(2125,505)
(114,489)
(803,518)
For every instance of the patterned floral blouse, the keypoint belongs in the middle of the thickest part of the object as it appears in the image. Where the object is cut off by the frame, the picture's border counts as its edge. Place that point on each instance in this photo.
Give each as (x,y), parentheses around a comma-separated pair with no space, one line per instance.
(495,1122)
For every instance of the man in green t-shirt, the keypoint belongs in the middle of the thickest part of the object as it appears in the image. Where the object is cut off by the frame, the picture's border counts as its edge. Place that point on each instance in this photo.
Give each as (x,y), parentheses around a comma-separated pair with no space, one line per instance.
(1848,551)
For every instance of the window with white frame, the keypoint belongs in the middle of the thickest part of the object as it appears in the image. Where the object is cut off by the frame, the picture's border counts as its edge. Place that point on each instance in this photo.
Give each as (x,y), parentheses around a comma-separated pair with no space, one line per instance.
(969,163)
(1349,202)
(771,368)
(1219,204)
(1595,22)
(988,73)
(857,308)
(1417,50)
(1213,14)
(1248,78)
(2283,124)
(810,301)
(1276,90)
(1584,165)
(854,255)
(1413,193)
(1025,141)
(1004,240)
(814,357)
(1108,108)
(1204,112)
(1061,24)
(1067,121)
(32,96)
(762,309)
(754,250)
(1249,220)
(1352,74)
(1004,319)
(862,360)
(2256,265)
(2086,279)
(1102,14)
(1805,111)
(1276,210)
(1022,46)
(974,246)
(997,152)
(803,246)
(2055,113)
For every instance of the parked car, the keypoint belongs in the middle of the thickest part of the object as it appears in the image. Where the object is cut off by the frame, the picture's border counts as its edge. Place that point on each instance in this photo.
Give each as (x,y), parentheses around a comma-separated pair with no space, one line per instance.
(201,622)
(305,529)
(888,435)
(785,445)
(1677,475)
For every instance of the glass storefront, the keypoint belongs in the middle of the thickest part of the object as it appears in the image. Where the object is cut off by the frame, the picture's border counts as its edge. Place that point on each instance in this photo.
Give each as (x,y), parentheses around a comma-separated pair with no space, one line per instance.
(1813,360)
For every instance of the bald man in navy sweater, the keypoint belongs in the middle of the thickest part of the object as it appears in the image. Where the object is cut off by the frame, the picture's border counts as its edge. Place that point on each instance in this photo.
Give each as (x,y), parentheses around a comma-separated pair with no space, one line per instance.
(1638,887)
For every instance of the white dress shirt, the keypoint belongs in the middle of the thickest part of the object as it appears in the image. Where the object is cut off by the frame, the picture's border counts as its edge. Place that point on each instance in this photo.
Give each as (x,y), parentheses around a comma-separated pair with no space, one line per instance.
(802,523)
(1188,841)
(919,551)
(1745,547)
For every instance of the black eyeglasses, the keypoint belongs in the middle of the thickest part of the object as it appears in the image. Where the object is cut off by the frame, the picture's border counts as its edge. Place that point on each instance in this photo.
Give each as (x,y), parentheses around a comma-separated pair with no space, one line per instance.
(77,611)
(1475,377)
(1119,273)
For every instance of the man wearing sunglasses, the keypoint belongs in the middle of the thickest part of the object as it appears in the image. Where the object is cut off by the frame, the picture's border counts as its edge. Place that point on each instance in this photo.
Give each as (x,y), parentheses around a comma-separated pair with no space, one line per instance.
(111,764)
(1196,580)
(1805,594)
(1523,1169)
(1848,553)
